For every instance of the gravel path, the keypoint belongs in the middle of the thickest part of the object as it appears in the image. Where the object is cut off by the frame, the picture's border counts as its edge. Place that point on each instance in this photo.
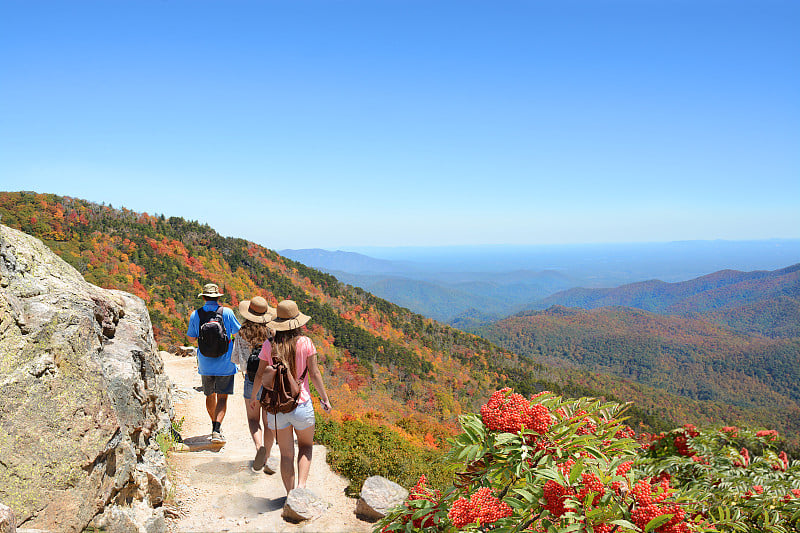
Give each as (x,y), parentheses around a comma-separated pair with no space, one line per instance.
(215,488)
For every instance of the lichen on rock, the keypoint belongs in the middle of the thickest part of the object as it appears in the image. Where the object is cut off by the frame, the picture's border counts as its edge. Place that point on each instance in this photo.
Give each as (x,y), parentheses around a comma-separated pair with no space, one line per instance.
(82,395)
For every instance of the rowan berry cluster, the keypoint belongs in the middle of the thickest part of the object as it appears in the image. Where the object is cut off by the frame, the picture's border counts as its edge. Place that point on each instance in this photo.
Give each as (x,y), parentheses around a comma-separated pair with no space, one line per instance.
(649,505)
(482,507)
(624,468)
(626,432)
(555,496)
(587,424)
(793,493)
(591,483)
(509,412)
(732,431)
(420,491)
(771,433)
(784,460)
(681,440)
(745,458)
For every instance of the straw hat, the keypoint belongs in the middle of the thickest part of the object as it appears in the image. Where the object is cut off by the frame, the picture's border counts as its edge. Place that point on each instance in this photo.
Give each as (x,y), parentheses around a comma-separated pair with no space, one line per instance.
(289,317)
(256,310)
(211,290)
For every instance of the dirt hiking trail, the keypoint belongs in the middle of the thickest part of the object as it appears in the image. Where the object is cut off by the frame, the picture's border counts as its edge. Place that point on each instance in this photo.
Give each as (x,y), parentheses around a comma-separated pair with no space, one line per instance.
(215,487)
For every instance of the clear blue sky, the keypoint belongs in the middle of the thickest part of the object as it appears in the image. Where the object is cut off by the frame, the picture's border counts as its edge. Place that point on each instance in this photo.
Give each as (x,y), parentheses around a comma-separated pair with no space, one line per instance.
(352,123)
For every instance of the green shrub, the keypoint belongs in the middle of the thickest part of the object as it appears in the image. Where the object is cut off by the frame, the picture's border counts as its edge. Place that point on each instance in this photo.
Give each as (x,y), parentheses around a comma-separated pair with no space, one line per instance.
(358,450)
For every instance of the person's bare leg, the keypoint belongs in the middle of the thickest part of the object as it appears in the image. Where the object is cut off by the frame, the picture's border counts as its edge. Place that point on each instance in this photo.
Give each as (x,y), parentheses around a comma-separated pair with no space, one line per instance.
(221,407)
(254,423)
(211,406)
(286,445)
(305,448)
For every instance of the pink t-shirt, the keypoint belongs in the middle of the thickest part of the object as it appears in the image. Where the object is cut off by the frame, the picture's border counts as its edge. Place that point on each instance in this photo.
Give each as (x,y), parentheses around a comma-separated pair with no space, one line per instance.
(302,351)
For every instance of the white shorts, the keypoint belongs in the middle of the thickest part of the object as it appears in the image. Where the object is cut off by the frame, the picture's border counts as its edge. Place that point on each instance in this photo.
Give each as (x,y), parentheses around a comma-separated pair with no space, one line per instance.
(301,418)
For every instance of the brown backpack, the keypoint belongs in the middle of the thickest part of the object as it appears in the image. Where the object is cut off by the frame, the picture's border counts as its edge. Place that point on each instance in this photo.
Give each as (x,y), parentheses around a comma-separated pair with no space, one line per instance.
(282,395)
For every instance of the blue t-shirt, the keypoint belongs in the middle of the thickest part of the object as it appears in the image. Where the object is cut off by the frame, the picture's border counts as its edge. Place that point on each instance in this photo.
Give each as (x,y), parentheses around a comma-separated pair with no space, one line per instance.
(215,366)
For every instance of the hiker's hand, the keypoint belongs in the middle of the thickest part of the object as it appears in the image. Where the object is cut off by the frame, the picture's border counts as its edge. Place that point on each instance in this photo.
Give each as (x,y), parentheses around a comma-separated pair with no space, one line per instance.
(326,406)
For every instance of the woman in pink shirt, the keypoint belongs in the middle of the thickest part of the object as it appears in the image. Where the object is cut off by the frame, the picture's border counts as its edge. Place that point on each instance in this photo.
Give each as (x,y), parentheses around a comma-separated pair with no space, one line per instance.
(298,353)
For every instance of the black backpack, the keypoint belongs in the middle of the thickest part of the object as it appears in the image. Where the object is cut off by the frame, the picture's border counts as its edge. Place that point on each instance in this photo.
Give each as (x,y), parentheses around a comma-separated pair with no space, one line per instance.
(213,339)
(253,362)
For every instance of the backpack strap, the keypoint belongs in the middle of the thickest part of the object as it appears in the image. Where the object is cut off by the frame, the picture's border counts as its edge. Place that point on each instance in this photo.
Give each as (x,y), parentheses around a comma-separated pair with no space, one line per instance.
(205,316)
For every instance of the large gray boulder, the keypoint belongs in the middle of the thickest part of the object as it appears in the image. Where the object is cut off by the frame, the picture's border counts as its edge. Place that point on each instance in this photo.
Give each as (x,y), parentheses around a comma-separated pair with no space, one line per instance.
(82,395)
(378,496)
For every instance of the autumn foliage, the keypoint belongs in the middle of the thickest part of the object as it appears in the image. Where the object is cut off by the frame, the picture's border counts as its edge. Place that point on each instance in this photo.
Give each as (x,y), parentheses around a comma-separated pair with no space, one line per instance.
(401,379)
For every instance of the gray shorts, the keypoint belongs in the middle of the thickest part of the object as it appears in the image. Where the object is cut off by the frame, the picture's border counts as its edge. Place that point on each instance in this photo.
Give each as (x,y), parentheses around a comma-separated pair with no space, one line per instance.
(301,418)
(217,385)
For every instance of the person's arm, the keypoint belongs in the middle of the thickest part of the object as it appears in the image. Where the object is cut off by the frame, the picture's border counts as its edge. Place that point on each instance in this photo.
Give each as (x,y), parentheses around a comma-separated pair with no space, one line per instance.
(316,378)
(194,327)
(232,326)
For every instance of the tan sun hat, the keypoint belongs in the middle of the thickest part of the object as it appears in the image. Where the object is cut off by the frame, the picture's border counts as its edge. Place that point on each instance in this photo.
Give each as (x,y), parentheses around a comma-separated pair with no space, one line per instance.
(211,290)
(289,317)
(256,310)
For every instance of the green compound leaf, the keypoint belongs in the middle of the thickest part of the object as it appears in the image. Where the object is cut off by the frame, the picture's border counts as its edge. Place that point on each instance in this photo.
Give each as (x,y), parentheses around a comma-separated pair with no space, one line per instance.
(657,521)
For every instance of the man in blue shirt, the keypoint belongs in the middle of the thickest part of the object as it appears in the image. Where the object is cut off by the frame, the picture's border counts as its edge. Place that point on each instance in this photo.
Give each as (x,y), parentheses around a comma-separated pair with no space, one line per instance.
(217,373)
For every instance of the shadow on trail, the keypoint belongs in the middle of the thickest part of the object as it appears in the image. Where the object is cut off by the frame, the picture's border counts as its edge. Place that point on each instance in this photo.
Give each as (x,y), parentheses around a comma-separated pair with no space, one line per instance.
(266,505)
(228,468)
(202,443)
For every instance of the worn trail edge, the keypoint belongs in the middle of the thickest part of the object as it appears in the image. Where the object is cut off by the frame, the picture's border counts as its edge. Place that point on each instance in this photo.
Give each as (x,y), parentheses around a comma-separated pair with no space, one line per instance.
(216,489)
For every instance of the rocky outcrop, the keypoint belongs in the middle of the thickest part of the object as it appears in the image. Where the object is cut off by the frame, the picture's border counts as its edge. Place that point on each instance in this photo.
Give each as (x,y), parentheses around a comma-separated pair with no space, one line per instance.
(378,496)
(82,397)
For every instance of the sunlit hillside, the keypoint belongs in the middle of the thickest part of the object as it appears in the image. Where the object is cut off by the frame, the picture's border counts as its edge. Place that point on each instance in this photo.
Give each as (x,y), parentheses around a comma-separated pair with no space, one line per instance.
(382,363)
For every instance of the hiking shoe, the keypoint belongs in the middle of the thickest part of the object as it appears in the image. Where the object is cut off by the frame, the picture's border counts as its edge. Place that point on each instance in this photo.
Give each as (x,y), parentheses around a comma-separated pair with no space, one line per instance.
(261,458)
(217,437)
(272,465)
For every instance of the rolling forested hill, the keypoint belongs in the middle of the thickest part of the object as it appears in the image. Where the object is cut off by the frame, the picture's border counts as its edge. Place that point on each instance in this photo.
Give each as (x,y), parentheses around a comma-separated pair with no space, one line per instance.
(762,302)
(686,357)
(381,362)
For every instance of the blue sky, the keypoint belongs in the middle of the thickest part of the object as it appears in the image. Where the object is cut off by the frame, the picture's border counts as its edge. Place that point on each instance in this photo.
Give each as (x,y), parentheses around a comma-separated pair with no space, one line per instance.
(347,123)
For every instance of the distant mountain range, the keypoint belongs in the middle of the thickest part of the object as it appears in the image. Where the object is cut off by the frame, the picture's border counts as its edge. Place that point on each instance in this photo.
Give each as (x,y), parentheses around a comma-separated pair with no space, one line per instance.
(351,262)
(467,297)
(468,287)
(762,302)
